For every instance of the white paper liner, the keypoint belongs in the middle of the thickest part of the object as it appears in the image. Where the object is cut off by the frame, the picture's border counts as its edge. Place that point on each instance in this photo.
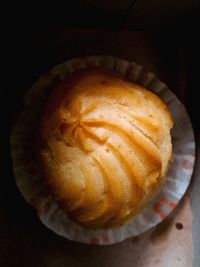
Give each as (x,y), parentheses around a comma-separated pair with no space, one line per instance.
(30,182)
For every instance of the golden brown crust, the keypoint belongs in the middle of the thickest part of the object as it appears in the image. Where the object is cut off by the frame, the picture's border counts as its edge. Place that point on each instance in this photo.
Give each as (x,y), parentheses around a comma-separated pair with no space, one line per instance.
(103,146)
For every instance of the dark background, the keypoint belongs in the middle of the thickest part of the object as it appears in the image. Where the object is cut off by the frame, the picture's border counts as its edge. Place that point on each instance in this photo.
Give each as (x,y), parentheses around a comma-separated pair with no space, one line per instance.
(162,35)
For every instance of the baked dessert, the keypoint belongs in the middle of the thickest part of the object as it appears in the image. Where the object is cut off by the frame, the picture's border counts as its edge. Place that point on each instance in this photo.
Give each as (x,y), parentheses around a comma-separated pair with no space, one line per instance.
(103,147)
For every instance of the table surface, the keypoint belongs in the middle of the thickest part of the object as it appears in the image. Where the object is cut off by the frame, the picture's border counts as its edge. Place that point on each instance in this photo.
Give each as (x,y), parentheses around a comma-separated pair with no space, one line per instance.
(24,241)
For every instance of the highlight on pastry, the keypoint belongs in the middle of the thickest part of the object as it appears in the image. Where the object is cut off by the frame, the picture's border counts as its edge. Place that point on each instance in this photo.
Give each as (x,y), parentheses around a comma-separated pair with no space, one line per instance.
(103,147)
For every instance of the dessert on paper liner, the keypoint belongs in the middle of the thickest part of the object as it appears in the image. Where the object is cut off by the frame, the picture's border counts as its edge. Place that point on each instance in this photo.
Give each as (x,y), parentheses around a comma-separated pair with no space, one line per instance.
(30,182)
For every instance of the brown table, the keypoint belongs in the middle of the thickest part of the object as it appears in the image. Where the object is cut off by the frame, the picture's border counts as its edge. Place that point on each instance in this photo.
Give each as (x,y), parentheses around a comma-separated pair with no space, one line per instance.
(24,241)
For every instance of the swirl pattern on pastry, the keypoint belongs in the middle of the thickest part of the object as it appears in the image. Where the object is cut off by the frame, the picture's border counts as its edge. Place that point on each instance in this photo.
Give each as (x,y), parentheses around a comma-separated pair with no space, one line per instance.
(103,146)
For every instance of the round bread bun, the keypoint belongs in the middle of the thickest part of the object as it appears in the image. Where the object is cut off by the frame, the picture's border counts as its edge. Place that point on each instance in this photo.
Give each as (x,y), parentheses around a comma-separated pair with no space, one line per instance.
(103,147)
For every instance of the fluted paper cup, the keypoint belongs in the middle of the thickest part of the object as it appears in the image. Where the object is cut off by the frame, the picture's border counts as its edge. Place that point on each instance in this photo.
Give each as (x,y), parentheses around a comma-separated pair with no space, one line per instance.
(30,182)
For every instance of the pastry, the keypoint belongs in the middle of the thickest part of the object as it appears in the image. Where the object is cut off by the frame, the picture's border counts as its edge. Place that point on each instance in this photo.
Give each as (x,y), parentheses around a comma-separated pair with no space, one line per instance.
(103,147)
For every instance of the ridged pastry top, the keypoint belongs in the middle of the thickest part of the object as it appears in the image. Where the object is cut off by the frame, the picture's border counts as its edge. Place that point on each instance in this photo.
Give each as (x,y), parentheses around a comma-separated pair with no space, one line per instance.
(103,146)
